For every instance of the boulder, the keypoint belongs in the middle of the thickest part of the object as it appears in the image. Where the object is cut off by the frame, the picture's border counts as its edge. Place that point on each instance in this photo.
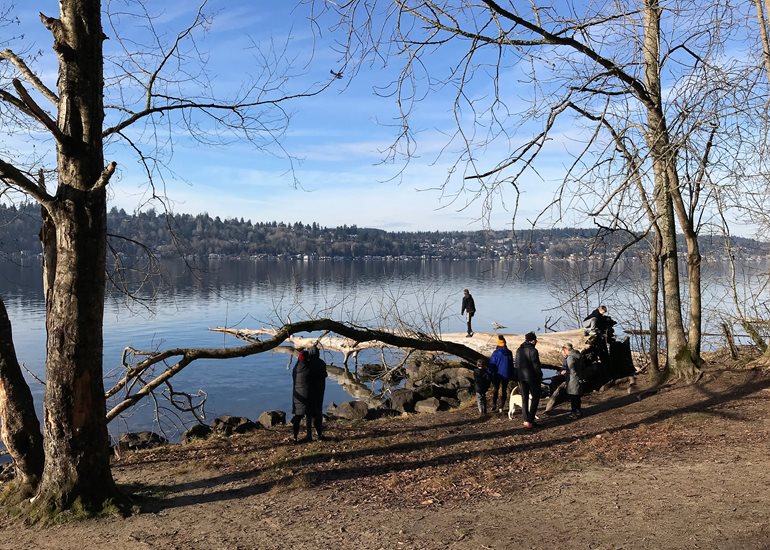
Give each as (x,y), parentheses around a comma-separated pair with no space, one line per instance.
(449,403)
(402,400)
(268,419)
(199,431)
(429,405)
(228,425)
(352,410)
(465,395)
(133,441)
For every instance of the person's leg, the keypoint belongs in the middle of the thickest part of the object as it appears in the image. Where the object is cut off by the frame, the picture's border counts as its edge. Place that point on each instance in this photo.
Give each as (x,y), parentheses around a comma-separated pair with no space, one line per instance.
(495,390)
(575,404)
(504,393)
(480,403)
(318,421)
(534,401)
(470,329)
(524,392)
(295,421)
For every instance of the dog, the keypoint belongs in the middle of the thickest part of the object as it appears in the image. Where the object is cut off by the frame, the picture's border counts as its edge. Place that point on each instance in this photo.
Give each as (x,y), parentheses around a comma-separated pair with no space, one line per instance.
(515,401)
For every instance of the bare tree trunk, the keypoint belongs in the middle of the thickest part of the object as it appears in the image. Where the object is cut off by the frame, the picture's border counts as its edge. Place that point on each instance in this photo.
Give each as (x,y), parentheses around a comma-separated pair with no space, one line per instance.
(763,33)
(77,466)
(678,355)
(654,293)
(19,429)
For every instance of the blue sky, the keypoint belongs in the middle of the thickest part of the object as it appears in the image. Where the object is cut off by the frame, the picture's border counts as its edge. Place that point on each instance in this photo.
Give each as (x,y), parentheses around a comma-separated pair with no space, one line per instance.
(337,138)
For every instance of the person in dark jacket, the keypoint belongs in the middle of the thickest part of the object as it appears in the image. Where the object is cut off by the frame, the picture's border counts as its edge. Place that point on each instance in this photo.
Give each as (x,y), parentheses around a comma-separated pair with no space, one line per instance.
(530,377)
(468,309)
(501,364)
(596,320)
(571,366)
(317,382)
(481,385)
(309,384)
(300,404)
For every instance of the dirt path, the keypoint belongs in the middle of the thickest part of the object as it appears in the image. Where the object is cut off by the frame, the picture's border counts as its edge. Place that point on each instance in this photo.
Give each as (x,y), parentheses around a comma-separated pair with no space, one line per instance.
(684,468)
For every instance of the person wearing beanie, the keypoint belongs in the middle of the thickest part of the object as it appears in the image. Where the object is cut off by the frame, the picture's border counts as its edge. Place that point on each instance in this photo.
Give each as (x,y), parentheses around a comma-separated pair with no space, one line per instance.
(501,370)
(530,378)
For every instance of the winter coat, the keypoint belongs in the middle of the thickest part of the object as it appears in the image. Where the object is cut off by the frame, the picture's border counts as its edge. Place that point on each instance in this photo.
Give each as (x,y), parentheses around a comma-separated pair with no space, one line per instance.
(468,305)
(301,386)
(573,364)
(317,381)
(528,364)
(480,380)
(502,362)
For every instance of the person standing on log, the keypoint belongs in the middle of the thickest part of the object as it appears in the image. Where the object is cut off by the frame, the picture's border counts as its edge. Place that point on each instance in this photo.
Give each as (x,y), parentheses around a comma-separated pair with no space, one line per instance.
(501,364)
(530,378)
(468,309)
(571,366)
(317,383)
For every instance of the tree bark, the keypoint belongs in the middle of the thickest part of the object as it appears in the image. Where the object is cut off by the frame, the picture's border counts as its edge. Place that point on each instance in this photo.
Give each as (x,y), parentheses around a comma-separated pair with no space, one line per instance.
(76,442)
(19,426)
(678,355)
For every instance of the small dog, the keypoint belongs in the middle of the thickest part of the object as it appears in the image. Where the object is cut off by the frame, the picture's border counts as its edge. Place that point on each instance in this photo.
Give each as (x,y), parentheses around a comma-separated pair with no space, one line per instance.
(515,401)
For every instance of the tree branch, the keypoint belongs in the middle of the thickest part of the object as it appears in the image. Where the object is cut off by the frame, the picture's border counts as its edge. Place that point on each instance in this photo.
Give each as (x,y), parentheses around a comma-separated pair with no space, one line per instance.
(417,341)
(39,114)
(29,76)
(10,175)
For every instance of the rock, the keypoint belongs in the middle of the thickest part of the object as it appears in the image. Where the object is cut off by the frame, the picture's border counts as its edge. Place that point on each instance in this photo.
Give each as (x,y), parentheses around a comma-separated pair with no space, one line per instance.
(402,400)
(228,425)
(462,383)
(133,441)
(199,431)
(352,410)
(429,405)
(465,395)
(332,409)
(449,403)
(268,419)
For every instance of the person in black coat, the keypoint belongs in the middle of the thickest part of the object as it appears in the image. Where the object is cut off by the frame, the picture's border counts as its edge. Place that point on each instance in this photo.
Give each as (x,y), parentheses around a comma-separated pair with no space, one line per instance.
(317,389)
(309,384)
(468,309)
(481,385)
(300,404)
(530,377)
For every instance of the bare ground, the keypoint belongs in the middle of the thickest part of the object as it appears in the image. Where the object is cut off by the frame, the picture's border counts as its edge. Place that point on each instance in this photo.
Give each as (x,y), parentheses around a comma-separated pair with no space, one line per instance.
(687,467)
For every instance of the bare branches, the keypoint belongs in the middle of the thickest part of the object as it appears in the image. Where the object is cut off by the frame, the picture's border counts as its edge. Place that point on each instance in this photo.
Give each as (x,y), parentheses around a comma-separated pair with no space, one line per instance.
(175,360)
(29,76)
(12,176)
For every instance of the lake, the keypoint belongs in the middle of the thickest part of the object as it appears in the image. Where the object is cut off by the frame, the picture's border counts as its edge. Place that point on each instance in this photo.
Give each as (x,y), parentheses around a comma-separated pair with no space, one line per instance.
(180,305)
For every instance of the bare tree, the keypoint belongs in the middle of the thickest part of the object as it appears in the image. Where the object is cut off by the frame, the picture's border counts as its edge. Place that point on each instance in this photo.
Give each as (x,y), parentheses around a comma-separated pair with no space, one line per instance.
(654,83)
(75,440)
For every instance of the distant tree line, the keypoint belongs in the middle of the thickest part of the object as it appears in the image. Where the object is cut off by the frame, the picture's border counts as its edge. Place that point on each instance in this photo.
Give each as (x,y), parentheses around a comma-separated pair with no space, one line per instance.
(169,235)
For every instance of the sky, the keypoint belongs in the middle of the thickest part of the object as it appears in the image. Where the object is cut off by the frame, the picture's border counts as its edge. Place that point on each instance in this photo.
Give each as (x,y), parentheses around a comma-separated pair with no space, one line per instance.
(330,165)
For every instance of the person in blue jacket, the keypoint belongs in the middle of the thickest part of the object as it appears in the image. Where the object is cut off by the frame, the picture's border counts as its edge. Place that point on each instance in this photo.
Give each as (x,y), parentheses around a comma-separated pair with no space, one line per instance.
(501,370)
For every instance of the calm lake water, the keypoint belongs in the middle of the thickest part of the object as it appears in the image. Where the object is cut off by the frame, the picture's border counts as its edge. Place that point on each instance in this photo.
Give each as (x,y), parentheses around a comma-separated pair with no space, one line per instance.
(182,305)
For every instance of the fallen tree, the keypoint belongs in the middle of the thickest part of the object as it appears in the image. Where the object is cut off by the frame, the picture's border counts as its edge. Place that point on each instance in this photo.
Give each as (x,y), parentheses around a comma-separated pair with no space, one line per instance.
(136,387)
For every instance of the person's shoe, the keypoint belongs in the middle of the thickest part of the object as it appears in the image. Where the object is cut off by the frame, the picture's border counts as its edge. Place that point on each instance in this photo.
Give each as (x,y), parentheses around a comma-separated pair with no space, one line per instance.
(306,439)
(528,425)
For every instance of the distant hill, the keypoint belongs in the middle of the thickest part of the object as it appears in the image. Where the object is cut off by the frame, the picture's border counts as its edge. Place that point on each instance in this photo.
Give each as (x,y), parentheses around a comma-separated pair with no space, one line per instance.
(202,235)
